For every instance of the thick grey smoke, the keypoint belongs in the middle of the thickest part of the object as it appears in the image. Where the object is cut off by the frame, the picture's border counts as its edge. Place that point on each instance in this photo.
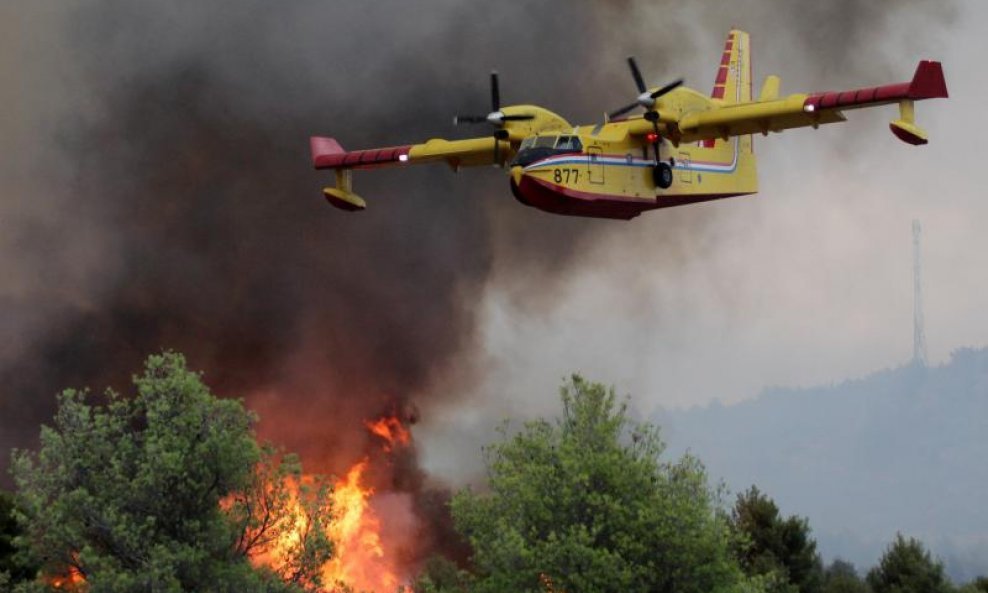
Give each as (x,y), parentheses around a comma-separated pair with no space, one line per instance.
(159,195)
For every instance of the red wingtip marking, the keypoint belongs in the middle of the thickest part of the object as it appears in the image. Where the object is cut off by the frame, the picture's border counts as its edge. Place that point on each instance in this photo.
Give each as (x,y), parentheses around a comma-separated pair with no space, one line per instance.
(928,82)
(322,148)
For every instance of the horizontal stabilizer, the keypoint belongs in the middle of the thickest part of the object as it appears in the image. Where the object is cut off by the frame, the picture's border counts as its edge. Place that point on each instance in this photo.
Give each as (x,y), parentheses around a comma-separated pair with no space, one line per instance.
(770,89)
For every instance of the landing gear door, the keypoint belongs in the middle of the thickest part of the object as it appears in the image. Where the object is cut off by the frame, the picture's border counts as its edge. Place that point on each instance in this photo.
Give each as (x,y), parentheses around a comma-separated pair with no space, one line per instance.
(595,164)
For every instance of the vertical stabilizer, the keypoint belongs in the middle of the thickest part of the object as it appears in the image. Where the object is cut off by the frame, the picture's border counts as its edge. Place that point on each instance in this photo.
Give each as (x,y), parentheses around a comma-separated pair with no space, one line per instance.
(733,82)
(732,86)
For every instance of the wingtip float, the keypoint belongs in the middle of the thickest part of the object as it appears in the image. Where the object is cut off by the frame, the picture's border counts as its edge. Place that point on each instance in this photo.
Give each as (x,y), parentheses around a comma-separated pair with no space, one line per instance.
(686,146)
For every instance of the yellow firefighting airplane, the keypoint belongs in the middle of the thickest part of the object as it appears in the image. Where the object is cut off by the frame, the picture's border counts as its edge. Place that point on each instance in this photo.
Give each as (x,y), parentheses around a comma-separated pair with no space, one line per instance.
(686,147)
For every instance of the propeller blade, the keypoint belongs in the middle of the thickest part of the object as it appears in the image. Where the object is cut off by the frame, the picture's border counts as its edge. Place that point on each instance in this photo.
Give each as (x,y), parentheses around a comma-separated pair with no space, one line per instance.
(495,92)
(669,87)
(469,119)
(636,73)
(622,111)
(518,117)
(497,144)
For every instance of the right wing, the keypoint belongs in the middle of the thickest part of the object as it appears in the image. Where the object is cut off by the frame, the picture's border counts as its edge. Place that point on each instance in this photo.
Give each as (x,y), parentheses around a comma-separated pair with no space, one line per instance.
(796,111)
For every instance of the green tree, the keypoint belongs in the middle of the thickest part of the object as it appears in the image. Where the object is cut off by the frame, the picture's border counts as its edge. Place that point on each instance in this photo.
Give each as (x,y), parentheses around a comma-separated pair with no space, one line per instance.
(907,567)
(441,575)
(842,577)
(978,585)
(584,504)
(15,564)
(766,544)
(166,491)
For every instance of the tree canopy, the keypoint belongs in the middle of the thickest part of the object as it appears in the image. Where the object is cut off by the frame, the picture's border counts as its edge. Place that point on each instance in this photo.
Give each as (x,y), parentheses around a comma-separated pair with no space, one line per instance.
(585,504)
(15,565)
(842,577)
(978,585)
(159,492)
(907,567)
(768,545)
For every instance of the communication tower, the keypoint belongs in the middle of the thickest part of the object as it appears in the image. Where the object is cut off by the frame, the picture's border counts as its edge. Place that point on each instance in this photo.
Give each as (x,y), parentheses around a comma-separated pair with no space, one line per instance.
(919,331)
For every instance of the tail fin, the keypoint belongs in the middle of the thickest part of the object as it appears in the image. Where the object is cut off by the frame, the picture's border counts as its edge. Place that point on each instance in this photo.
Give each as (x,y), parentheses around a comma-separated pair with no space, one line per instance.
(733,83)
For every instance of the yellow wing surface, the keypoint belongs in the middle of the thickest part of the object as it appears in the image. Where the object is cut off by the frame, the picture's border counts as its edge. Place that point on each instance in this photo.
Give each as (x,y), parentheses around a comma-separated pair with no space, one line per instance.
(328,154)
(797,111)
(495,149)
(731,111)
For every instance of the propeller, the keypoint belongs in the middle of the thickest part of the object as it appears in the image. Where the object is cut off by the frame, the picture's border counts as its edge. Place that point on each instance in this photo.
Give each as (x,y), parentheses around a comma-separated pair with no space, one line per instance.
(646,99)
(496,117)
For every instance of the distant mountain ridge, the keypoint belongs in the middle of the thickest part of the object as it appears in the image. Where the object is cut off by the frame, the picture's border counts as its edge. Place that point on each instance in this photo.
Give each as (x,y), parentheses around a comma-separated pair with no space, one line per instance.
(904,450)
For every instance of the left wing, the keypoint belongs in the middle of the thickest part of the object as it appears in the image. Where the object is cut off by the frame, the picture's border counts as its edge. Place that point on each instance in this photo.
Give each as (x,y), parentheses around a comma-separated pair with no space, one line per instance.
(770,114)
(328,154)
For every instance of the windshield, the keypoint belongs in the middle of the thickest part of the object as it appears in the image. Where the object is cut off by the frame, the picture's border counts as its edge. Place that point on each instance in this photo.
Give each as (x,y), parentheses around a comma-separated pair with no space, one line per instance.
(536,148)
(545,141)
(569,144)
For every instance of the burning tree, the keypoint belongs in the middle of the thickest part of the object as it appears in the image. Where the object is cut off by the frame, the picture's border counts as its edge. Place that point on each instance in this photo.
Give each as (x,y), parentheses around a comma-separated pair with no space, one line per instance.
(168,490)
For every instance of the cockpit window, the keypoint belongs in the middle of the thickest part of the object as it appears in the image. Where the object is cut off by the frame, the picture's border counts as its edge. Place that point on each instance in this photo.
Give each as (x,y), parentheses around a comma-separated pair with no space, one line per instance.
(569,144)
(545,141)
(536,148)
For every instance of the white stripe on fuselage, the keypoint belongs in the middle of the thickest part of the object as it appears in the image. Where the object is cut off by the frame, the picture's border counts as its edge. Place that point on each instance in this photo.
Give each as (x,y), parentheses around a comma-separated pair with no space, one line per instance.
(616,161)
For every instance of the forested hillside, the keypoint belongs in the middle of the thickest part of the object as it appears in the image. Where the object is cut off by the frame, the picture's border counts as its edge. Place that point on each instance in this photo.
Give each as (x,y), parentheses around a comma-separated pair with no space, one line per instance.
(900,450)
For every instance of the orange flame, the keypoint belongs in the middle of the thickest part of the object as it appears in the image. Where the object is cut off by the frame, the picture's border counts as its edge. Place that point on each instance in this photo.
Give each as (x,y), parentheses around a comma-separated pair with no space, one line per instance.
(391,430)
(68,581)
(360,559)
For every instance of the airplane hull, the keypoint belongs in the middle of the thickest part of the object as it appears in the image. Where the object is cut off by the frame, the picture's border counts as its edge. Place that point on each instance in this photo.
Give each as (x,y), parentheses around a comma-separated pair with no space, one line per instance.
(558,199)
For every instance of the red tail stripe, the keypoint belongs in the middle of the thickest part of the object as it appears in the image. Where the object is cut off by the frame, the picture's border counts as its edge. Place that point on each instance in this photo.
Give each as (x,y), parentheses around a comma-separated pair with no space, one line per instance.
(725,62)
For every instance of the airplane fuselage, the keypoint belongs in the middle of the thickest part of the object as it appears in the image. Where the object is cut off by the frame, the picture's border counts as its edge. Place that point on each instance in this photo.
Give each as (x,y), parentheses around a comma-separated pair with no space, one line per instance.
(592,175)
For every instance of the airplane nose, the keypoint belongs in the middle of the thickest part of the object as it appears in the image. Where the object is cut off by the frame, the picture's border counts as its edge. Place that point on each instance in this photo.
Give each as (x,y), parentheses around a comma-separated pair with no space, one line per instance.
(516,172)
